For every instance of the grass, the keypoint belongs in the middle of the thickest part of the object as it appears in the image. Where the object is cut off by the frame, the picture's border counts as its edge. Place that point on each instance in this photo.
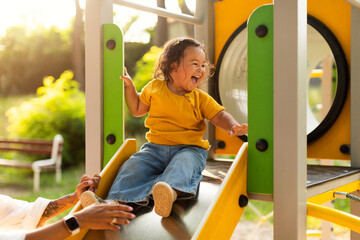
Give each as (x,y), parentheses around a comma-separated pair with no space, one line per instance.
(18,184)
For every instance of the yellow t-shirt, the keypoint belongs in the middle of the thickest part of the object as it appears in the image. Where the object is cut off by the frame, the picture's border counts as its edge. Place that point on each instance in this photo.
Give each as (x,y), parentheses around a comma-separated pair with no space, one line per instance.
(174,119)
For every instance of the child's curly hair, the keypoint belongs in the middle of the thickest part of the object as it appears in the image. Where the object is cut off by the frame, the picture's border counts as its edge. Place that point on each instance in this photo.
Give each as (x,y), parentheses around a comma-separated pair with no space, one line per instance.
(173,52)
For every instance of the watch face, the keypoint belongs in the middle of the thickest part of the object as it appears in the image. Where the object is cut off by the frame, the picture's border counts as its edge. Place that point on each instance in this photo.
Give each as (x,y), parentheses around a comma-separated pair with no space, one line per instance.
(72,224)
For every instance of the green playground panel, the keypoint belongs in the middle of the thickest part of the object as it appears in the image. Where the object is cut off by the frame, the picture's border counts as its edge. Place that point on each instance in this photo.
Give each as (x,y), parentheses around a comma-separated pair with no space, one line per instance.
(113,118)
(260,99)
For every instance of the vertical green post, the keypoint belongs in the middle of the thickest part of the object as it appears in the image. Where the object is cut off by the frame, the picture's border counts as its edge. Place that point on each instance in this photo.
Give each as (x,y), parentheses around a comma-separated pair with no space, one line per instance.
(113,118)
(260,100)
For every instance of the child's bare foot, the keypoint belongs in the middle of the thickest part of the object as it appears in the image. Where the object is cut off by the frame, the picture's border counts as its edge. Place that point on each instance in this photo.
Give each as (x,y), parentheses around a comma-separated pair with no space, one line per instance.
(164,196)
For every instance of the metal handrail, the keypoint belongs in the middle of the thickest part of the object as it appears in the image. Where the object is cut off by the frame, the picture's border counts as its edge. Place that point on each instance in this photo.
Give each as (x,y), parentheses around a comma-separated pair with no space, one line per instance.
(334,216)
(160,12)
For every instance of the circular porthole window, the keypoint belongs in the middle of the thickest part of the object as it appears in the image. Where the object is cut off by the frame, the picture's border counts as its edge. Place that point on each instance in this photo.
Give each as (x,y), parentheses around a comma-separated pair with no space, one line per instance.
(327,80)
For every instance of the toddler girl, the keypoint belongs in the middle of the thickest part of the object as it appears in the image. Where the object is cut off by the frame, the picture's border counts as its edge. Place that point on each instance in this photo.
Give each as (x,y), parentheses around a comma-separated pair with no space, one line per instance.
(169,166)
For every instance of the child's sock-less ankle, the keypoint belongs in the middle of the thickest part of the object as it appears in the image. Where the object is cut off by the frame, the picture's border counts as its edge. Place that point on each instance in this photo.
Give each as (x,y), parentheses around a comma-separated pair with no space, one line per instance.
(175,194)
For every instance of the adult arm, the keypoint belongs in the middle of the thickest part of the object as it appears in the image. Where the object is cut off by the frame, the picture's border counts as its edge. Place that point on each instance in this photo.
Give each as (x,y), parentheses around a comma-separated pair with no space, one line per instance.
(96,216)
(135,106)
(61,204)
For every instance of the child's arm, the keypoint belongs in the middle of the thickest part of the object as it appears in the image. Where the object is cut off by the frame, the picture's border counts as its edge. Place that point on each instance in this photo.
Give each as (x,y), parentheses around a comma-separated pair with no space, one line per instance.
(227,122)
(135,106)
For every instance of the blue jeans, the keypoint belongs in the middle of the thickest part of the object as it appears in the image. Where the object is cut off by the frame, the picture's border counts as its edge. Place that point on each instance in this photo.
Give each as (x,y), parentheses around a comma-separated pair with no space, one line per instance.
(180,166)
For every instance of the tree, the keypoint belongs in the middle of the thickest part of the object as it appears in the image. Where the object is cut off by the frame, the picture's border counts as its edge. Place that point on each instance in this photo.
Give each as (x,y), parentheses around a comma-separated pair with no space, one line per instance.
(29,56)
(77,55)
(162,27)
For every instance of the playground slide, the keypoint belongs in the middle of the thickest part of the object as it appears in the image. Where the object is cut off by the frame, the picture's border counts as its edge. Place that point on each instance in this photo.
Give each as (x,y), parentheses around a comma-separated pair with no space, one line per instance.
(212,215)
(108,174)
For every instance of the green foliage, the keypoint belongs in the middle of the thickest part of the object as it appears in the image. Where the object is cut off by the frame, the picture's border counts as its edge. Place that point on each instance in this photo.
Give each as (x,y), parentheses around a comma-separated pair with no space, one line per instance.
(29,56)
(145,67)
(342,204)
(133,53)
(264,208)
(5,104)
(59,107)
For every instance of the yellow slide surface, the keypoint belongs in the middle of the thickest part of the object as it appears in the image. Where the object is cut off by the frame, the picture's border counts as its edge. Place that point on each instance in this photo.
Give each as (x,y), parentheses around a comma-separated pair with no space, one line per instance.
(108,175)
(219,204)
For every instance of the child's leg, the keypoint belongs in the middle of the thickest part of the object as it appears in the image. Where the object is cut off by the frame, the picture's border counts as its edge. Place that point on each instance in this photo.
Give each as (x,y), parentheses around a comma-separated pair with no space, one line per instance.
(184,170)
(183,174)
(136,177)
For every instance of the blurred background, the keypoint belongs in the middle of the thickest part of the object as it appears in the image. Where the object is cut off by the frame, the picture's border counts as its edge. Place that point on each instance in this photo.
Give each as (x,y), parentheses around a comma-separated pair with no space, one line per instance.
(42,79)
(42,58)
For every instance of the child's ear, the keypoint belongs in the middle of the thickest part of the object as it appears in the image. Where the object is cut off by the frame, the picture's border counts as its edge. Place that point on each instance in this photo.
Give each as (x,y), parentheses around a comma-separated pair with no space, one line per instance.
(173,67)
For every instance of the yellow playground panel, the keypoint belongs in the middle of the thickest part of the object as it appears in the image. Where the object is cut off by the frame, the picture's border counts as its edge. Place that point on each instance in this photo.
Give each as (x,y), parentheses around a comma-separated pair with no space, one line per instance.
(231,14)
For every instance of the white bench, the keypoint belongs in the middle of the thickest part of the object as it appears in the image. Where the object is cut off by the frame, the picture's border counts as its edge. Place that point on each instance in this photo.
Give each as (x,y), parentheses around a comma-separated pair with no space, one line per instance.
(52,148)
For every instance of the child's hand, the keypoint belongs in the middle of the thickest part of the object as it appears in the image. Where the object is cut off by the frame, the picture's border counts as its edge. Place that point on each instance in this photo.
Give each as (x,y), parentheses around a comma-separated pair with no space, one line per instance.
(126,78)
(87,183)
(239,130)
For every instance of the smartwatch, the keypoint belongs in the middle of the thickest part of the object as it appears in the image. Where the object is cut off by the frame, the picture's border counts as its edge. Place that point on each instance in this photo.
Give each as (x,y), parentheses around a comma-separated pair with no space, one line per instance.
(72,224)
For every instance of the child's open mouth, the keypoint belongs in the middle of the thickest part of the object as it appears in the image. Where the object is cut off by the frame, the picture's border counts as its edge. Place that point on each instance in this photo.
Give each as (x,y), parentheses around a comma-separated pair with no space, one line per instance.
(195,79)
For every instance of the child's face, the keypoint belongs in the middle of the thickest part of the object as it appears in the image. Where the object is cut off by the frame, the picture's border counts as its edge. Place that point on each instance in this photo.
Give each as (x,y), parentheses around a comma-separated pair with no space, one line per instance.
(190,72)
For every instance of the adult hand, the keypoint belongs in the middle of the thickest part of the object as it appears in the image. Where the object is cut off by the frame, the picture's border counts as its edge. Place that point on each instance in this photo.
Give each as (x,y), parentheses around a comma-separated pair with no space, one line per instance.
(87,183)
(104,216)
